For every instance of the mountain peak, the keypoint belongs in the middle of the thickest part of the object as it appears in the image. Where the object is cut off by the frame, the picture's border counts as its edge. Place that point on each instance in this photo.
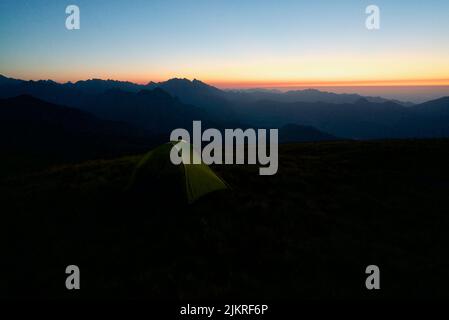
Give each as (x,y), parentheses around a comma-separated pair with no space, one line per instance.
(179,80)
(7,81)
(196,81)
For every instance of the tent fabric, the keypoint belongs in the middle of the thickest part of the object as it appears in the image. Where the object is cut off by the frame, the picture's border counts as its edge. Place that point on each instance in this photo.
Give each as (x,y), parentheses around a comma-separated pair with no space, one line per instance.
(156,174)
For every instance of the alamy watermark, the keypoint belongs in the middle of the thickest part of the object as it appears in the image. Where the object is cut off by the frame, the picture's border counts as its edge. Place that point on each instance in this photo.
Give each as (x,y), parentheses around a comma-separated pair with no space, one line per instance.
(72,22)
(73,280)
(372,22)
(218,150)
(373,280)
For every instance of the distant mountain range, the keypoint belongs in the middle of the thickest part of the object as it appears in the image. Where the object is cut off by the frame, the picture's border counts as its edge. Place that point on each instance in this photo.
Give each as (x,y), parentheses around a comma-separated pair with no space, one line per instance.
(360,120)
(35,133)
(161,107)
(306,95)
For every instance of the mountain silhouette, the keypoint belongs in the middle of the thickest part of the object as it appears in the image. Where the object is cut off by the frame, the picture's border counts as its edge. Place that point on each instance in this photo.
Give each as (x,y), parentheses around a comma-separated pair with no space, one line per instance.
(44,132)
(360,120)
(94,86)
(161,107)
(4,81)
(154,110)
(199,94)
(437,107)
(306,95)
(27,110)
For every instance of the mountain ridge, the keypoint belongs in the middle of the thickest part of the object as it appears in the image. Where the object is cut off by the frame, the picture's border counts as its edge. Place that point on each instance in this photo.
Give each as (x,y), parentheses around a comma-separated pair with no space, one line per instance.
(291,95)
(163,106)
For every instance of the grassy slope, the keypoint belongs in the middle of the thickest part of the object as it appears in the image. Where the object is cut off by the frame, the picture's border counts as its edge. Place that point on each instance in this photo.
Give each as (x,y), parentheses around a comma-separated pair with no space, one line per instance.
(307,232)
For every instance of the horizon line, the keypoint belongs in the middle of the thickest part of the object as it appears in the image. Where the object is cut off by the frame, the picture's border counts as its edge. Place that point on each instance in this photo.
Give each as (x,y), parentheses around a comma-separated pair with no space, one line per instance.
(272,84)
(345,83)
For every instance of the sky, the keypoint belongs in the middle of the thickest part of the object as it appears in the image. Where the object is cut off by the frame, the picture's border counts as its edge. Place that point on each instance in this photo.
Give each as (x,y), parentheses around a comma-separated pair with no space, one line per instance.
(229,43)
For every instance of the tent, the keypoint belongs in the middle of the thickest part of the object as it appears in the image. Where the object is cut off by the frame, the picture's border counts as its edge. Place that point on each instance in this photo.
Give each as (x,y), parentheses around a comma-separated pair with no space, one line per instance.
(157,176)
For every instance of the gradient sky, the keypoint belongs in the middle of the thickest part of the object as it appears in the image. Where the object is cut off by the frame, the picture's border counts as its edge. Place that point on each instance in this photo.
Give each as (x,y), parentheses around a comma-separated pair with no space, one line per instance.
(228,43)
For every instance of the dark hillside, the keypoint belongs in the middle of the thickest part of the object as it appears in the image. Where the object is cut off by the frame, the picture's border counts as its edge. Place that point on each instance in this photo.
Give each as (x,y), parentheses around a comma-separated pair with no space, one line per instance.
(307,232)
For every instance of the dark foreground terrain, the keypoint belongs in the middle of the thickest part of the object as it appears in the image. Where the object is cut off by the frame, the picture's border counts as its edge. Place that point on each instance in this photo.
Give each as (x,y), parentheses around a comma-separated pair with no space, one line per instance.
(308,232)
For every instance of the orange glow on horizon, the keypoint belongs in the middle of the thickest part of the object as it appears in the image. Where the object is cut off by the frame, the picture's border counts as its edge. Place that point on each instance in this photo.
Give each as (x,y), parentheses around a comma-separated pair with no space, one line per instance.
(285,84)
(353,83)
(230,83)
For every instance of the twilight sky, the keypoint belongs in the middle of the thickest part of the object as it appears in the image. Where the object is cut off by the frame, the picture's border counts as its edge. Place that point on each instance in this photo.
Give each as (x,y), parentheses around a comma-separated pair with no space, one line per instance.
(229,43)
